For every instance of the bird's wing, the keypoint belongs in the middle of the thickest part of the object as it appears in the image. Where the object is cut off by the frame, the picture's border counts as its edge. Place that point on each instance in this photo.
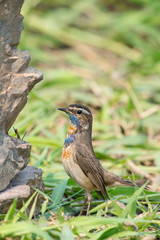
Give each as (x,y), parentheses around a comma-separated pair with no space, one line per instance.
(90,166)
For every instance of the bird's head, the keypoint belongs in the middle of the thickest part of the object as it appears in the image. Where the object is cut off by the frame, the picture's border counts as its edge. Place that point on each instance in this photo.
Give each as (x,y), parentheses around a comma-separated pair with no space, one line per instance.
(80,116)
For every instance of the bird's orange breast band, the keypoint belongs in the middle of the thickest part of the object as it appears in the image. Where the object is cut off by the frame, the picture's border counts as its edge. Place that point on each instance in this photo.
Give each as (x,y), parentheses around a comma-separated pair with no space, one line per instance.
(66,154)
(72,129)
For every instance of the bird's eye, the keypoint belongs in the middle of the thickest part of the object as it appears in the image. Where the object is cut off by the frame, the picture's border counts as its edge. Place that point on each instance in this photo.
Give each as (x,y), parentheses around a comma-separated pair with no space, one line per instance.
(79,111)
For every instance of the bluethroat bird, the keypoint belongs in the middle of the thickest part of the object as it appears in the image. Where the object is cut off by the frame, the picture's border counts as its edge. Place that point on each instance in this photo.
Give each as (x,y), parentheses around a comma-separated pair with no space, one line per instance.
(79,159)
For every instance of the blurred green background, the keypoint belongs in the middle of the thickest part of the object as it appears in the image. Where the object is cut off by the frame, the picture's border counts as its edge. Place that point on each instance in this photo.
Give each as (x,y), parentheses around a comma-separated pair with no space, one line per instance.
(105,55)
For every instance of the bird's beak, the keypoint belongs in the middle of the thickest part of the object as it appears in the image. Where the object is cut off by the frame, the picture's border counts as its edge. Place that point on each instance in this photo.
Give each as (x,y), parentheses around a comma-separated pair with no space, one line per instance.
(65,110)
(62,109)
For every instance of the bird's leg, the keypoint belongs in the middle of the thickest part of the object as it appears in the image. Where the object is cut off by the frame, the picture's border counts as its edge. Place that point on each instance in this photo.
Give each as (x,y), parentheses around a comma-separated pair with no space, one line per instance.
(87,199)
(83,206)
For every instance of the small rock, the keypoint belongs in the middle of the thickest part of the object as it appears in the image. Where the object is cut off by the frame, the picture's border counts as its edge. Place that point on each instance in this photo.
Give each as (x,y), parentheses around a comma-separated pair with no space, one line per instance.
(14,156)
(21,187)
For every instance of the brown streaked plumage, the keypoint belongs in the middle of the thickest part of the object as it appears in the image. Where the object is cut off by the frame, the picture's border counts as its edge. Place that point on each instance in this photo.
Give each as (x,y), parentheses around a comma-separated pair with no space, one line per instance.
(79,159)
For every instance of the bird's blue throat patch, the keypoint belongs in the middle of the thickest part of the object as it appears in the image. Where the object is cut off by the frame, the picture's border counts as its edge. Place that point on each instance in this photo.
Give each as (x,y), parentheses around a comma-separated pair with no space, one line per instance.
(74,120)
(72,130)
(70,139)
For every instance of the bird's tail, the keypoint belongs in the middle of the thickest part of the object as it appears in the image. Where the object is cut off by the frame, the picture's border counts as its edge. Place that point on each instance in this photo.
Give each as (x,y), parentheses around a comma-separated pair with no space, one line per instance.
(114,180)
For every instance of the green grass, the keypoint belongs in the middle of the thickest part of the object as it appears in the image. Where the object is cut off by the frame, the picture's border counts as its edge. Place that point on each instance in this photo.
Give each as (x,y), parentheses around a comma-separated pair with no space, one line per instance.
(104,54)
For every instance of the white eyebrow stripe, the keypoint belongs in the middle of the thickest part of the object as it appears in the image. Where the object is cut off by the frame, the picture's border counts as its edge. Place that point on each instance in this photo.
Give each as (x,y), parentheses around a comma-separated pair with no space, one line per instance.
(84,111)
(81,109)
